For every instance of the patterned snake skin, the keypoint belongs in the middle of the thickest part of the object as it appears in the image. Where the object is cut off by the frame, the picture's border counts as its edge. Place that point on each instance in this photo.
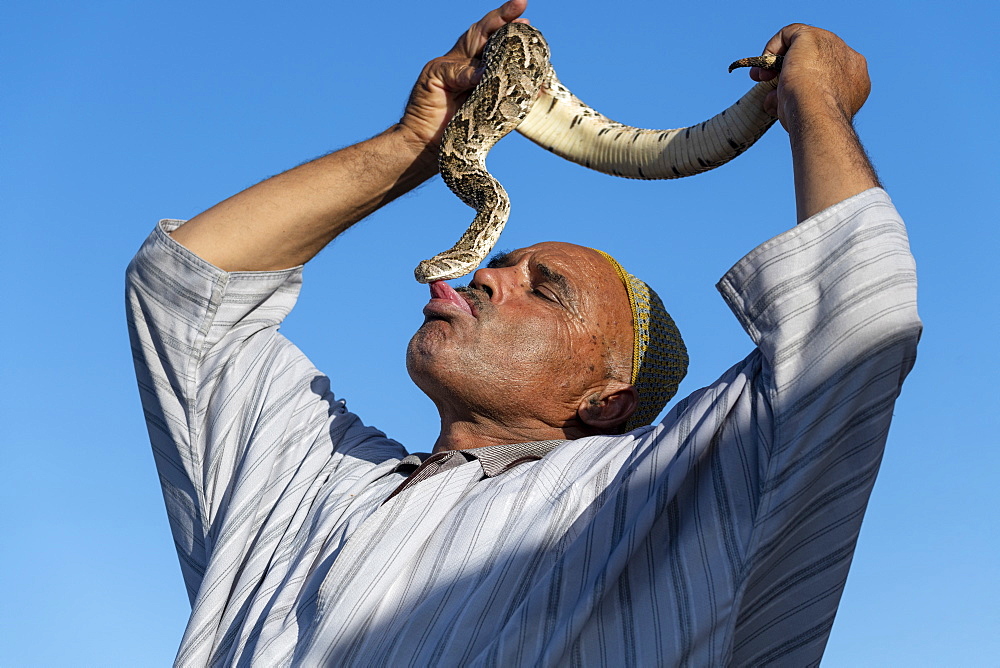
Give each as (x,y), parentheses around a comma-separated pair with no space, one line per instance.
(520,90)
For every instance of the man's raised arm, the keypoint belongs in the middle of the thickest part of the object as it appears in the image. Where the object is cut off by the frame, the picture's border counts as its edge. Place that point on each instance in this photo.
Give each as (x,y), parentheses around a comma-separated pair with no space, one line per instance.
(822,85)
(286,220)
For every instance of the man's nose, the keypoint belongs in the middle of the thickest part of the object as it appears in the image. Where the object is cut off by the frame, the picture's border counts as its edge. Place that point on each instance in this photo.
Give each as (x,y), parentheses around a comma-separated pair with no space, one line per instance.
(492,282)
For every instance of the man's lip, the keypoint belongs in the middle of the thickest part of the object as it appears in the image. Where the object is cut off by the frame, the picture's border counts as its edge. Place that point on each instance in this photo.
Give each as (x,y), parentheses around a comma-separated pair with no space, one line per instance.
(442,293)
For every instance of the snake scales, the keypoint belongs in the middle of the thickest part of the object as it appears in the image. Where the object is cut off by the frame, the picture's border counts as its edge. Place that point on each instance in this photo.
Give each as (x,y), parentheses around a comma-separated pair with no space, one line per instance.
(520,90)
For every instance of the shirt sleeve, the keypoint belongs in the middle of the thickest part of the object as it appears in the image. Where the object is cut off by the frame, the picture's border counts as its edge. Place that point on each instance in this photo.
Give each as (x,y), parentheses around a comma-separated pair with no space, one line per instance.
(831,305)
(243,427)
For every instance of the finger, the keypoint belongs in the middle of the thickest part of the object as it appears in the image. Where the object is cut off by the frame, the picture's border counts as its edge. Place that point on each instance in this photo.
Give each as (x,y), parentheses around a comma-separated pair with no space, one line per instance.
(760,74)
(467,78)
(474,39)
(777,45)
(455,77)
(512,9)
(783,39)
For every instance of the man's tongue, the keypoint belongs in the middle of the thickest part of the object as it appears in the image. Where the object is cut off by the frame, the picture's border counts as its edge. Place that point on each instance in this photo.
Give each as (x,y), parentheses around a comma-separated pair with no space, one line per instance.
(443,291)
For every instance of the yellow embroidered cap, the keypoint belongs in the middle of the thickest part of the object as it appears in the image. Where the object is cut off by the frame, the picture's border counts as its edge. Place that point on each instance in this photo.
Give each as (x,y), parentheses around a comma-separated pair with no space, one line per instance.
(659,356)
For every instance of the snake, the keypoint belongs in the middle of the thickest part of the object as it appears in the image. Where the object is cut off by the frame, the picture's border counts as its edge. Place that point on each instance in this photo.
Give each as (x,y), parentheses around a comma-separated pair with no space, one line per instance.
(519,90)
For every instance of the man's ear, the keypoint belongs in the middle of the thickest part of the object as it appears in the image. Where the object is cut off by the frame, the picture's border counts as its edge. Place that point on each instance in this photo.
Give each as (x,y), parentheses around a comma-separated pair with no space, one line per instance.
(608,409)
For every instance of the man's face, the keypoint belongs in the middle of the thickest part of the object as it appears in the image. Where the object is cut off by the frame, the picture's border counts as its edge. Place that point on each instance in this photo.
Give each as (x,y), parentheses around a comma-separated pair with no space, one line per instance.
(535,332)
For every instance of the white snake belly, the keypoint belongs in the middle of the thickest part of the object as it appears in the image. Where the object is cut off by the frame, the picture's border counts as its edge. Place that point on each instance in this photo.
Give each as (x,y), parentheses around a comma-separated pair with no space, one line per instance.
(520,90)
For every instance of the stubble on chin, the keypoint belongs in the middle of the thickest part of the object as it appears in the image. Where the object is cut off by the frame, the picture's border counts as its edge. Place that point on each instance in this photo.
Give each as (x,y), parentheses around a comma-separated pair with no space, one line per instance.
(425,349)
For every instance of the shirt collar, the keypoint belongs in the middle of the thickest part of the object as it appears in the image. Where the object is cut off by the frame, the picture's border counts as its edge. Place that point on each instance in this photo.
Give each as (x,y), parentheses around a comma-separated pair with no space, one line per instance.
(495,459)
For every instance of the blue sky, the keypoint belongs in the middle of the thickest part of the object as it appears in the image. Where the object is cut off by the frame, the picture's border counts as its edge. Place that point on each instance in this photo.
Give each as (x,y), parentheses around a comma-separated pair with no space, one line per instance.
(116,114)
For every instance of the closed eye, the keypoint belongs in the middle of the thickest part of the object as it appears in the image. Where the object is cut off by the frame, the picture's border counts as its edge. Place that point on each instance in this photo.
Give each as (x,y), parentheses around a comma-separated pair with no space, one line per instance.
(546,294)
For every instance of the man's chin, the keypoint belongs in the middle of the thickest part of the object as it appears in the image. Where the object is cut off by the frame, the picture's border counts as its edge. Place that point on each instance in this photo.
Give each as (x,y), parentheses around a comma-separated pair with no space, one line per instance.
(426,357)
(433,333)
(426,344)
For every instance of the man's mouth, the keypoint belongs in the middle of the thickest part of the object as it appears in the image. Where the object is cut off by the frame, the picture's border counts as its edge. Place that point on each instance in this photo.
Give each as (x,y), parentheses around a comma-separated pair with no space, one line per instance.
(444,298)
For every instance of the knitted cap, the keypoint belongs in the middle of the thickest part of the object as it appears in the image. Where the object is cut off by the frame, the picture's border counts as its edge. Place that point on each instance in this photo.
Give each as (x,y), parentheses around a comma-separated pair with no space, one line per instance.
(659,357)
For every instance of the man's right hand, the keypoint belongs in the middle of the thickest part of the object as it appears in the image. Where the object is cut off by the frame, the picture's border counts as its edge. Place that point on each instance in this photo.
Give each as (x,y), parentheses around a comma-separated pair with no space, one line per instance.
(445,82)
(285,220)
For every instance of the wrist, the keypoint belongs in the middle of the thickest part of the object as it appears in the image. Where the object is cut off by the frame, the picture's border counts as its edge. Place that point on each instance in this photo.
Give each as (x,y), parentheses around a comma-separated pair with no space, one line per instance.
(424,154)
(804,115)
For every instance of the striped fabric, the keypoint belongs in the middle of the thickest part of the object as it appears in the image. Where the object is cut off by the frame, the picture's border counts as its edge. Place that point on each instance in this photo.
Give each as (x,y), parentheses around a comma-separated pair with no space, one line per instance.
(721,536)
(494,460)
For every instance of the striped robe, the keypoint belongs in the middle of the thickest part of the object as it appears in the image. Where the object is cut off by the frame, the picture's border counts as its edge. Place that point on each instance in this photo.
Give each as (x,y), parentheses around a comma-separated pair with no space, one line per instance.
(721,536)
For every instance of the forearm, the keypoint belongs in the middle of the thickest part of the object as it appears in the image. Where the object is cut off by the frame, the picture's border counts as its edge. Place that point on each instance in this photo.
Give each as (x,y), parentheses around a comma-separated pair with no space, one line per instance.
(286,220)
(829,162)
(823,84)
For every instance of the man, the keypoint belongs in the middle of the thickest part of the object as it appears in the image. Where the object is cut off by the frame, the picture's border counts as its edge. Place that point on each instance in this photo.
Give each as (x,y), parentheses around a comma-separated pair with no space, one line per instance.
(537,532)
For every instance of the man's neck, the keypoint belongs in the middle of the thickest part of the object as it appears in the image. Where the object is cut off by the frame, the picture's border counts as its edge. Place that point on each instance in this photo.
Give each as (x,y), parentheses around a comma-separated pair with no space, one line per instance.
(466,434)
